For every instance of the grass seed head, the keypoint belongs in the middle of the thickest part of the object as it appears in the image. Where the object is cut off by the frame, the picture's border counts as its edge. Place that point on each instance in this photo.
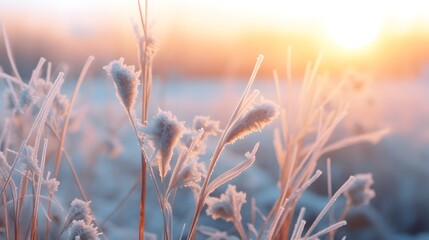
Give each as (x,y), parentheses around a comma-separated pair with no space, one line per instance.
(79,230)
(227,206)
(29,159)
(192,174)
(163,132)
(253,120)
(210,127)
(51,183)
(126,82)
(79,210)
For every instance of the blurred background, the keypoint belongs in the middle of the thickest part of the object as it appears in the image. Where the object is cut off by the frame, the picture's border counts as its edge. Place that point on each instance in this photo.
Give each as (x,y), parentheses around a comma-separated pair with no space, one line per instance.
(223,38)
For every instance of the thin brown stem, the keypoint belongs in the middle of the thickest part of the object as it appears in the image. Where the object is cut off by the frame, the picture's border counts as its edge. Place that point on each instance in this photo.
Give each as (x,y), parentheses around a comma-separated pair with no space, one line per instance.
(143,66)
(151,173)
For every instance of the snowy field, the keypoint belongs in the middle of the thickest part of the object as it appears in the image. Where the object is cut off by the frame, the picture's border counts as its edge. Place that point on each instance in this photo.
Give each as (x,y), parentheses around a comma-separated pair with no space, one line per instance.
(106,156)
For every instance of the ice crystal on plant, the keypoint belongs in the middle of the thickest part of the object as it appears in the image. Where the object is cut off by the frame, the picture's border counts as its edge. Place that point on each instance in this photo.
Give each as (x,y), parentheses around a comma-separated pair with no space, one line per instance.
(253,120)
(51,183)
(360,192)
(163,132)
(192,173)
(210,127)
(79,210)
(126,82)
(79,230)
(29,159)
(227,206)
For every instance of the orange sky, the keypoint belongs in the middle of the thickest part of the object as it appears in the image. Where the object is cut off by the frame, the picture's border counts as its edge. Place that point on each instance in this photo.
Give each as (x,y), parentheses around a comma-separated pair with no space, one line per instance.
(223,38)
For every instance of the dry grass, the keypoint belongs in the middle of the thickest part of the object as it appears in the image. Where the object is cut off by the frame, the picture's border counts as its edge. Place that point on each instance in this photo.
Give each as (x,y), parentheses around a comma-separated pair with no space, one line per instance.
(37,127)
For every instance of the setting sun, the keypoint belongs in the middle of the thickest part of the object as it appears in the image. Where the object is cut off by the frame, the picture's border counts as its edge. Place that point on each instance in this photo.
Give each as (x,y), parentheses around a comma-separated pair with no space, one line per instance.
(352,25)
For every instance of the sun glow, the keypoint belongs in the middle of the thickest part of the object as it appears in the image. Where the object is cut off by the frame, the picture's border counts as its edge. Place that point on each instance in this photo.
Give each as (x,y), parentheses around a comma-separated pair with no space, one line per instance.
(353,24)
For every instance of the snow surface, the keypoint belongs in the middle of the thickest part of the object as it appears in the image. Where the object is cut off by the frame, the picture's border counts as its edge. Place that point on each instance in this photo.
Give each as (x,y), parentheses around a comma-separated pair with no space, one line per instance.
(399,163)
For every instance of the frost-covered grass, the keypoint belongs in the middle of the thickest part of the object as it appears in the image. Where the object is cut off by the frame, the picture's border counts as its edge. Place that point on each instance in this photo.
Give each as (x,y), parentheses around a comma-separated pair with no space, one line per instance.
(72,166)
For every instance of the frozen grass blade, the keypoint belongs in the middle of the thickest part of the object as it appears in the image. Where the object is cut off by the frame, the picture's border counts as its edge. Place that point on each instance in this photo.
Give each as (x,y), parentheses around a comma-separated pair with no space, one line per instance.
(12,79)
(34,224)
(347,184)
(35,75)
(331,211)
(146,55)
(46,105)
(300,230)
(9,54)
(275,222)
(65,127)
(329,229)
(219,148)
(297,224)
(373,137)
(234,172)
(69,110)
(48,72)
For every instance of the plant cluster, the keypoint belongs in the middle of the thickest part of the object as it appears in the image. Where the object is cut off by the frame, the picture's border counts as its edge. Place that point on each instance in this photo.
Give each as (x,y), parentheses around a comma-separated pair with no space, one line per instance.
(171,152)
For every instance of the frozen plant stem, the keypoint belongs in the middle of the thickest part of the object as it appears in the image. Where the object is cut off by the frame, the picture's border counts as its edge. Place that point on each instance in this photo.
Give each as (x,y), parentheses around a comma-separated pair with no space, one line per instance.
(34,225)
(219,148)
(64,132)
(40,119)
(145,67)
(145,159)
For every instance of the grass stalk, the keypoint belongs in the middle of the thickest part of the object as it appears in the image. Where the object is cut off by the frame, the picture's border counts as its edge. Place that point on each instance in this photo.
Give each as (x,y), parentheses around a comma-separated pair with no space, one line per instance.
(146,79)
(219,148)
(64,132)
(34,219)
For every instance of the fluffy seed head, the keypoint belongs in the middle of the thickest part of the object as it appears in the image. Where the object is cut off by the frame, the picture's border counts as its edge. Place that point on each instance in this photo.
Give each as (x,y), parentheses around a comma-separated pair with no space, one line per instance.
(79,230)
(29,160)
(228,206)
(163,132)
(187,139)
(192,174)
(51,183)
(126,82)
(360,192)
(79,210)
(253,120)
(210,127)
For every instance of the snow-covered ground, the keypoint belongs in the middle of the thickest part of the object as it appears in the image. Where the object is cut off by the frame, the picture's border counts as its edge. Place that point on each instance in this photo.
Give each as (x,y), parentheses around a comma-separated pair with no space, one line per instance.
(106,156)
